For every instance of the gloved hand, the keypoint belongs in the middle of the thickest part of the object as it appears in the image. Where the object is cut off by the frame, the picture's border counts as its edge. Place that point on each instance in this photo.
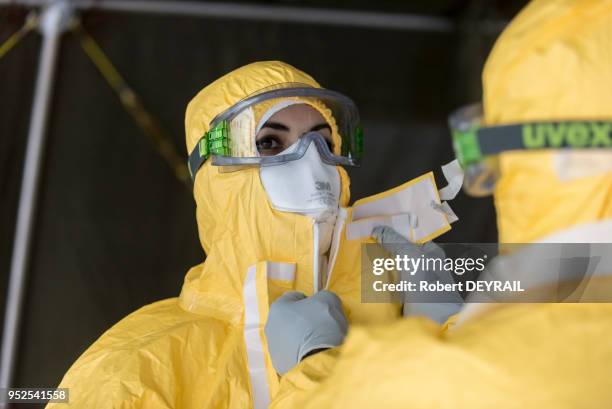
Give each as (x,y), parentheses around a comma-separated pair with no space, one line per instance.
(396,244)
(298,325)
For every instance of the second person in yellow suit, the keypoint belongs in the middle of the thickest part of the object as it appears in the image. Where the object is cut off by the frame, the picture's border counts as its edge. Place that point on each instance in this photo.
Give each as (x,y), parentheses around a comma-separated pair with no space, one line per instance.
(551,64)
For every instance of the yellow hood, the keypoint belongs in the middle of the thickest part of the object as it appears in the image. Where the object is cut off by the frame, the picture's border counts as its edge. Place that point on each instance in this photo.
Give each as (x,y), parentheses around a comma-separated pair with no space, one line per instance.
(552,63)
(237,225)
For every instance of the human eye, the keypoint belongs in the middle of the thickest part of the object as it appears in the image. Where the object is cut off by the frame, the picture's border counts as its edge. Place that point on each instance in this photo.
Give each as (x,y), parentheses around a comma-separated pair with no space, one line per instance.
(269,145)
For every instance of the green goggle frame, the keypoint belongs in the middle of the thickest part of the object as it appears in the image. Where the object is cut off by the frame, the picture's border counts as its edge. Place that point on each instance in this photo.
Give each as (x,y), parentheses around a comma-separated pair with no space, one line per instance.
(475,143)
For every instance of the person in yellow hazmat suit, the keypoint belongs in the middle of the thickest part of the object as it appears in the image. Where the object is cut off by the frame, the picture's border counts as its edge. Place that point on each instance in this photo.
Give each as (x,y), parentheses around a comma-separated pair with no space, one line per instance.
(266,148)
(542,147)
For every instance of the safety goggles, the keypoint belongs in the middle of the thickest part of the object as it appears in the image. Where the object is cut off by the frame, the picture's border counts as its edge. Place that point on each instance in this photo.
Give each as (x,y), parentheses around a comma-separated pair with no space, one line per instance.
(232,139)
(477,147)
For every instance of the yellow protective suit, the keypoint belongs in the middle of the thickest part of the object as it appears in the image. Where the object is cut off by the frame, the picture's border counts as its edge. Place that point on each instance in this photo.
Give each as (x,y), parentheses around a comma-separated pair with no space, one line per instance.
(207,348)
(552,62)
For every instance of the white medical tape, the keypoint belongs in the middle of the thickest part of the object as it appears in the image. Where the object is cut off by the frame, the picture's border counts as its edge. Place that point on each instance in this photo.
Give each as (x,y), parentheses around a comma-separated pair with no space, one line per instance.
(454,176)
(445,208)
(363,228)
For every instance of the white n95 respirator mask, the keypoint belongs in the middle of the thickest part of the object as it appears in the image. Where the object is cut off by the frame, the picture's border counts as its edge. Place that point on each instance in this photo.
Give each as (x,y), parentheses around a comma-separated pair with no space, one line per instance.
(306,185)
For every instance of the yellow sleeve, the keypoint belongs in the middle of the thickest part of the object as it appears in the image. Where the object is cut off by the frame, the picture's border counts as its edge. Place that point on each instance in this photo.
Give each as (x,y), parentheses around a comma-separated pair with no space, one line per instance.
(531,356)
(315,375)
(304,378)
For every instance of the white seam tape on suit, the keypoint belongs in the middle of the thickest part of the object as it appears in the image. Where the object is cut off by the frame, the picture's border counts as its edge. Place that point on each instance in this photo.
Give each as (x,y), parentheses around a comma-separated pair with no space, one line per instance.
(335,245)
(281,271)
(315,261)
(254,346)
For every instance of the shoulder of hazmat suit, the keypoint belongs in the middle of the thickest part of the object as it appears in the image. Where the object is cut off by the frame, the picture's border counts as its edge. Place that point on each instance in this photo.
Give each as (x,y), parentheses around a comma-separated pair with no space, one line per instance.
(207,348)
(551,63)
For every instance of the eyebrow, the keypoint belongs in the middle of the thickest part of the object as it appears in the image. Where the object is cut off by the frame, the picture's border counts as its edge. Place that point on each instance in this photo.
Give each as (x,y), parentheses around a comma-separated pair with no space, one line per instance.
(320,126)
(275,125)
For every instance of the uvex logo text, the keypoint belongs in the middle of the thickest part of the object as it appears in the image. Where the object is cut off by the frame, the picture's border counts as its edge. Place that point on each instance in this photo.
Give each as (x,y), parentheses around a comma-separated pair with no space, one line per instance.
(572,134)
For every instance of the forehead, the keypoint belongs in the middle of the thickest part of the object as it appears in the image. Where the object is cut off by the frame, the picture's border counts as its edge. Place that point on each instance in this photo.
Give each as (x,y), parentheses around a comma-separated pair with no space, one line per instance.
(302,113)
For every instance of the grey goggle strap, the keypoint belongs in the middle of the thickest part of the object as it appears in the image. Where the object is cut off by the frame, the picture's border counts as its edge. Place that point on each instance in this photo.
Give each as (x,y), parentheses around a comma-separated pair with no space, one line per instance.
(472,143)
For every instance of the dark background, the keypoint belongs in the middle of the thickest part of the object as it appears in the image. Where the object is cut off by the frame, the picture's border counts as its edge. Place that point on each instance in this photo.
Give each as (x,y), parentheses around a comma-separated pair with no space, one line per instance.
(115,230)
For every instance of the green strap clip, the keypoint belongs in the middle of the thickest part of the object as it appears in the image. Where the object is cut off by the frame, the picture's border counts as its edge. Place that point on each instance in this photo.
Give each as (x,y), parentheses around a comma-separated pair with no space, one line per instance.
(215,141)
(466,146)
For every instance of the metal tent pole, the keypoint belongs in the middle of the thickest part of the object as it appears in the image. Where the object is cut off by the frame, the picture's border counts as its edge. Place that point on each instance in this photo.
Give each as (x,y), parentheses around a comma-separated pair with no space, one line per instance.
(261,12)
(54,19)
(309,15)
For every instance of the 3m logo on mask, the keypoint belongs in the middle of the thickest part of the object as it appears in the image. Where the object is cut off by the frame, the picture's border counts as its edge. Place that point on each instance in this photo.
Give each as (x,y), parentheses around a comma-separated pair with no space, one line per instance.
(323,186)
(324,194)
(567,134)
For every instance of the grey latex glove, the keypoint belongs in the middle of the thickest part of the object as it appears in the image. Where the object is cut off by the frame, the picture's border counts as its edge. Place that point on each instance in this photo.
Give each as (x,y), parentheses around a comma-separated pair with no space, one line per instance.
(298,325)
(396,244)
